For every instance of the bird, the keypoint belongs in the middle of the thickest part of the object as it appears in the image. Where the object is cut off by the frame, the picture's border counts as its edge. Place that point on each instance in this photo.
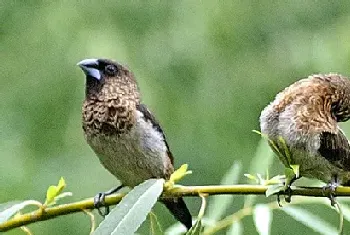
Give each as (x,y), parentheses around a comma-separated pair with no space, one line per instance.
(123,133)
(306,115)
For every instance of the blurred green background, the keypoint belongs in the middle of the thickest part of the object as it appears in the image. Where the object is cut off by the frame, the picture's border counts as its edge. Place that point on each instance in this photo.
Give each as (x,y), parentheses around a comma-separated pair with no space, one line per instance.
(205,68)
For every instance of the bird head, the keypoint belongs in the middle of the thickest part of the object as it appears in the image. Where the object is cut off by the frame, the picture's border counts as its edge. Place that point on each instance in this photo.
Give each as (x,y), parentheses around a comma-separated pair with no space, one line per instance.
(104,72)
(99,68)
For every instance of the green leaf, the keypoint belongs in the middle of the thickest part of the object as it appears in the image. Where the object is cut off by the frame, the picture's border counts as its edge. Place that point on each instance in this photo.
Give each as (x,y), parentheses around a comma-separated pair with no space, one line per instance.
(14,208)
(219,204)
(155,228)
(346,211)
(310,220)
(259,164)
(286,153)
(53,191)
(63,195)
(290,174)
(197,227)
(130,213)
(277,179)
(7,205)
(251,177)
(180,173)
(262,159)
(341,217)
(273,189)
(178,228)
(177,175)
(296,170)
(236,228)
(175,229)
(262,216)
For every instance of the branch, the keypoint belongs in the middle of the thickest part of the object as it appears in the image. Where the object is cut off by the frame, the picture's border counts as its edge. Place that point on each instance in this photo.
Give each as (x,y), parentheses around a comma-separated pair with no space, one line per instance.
(88,204)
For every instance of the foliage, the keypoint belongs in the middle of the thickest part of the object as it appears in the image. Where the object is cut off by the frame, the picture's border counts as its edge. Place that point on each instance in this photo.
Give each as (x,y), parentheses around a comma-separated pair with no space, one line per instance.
(206,69)
(132,210)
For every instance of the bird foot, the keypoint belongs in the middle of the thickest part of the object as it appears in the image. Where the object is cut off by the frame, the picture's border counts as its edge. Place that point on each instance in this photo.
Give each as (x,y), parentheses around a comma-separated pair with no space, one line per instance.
(99,200)
(287,191)
(329,190)
(287,195)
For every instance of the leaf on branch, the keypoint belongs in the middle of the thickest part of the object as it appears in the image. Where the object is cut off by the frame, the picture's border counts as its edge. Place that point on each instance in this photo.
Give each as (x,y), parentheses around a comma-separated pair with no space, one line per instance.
(310,220)
(26,230)
(275,185)
(236,228)
(341,217)
(296,170)
(262,216)
(197,227)
(252,177)
(260,164)
(273,189)
(133,209)
(15,208)
(54,193)
(345,209)
(177,175)
(155,227)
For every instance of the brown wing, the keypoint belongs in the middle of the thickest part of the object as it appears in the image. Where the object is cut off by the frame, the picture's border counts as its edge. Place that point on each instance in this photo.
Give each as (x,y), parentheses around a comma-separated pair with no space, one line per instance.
(336,149)
(149,116)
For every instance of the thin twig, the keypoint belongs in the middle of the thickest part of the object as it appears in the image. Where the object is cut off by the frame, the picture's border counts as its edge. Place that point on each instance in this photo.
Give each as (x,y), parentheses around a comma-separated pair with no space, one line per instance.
(49,213)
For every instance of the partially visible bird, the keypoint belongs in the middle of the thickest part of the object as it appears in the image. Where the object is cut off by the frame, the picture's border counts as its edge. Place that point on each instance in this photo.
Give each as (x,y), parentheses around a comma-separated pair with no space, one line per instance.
(123,133)
(306,116)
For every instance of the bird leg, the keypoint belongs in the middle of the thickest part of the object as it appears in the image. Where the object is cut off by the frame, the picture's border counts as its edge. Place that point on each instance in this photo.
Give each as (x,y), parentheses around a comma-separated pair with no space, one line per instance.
(330,188)
(287,191)
(99,200)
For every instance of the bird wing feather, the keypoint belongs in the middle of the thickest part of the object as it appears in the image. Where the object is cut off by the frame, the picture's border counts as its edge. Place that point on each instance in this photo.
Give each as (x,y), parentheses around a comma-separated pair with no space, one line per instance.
(335,148)
(149,117)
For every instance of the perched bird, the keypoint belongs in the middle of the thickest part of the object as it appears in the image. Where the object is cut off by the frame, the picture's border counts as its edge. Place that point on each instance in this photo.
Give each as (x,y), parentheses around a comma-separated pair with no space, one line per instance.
(123,133)
(306,116)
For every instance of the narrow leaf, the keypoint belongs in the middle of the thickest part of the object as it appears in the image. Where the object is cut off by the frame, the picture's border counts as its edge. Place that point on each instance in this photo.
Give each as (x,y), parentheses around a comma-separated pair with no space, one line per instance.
(7,205)
(13,209)
(155,228)
(260,163)
(180,173)
(262,216)
(341,217)
(346,212)
(197,227)
(287,155)
(179,229)
(219,204)
(296,170)
(251,177)
(310,220)
(127,217)
(236,228)
(275,188)
(262,159)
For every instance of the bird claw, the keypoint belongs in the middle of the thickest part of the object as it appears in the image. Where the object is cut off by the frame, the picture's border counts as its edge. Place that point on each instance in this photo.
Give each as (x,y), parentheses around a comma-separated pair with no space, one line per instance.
(287,195)
(329,190)
(99,200)
(287,191)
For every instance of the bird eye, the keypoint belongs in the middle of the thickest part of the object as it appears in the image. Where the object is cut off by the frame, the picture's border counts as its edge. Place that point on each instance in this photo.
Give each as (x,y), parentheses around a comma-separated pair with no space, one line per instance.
(111,70)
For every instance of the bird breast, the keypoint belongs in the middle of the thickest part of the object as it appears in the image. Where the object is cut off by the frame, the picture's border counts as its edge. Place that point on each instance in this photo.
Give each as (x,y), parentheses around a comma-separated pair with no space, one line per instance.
(133,154)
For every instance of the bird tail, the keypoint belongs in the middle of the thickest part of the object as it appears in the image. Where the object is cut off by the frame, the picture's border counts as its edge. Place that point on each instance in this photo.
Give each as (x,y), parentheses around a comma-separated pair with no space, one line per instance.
(179,209)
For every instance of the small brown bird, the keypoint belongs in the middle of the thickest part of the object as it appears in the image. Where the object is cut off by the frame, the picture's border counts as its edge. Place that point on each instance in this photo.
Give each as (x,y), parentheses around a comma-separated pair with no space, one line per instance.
(123,133)
(306,116)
